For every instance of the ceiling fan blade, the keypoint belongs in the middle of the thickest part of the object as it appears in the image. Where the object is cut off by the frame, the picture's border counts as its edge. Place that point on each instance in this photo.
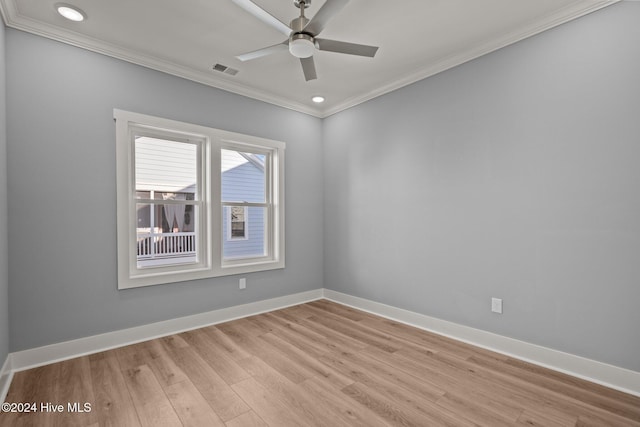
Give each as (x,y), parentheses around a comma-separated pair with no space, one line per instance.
(264,16)
(348,48)
(324,15)
(264,51)
(308,68)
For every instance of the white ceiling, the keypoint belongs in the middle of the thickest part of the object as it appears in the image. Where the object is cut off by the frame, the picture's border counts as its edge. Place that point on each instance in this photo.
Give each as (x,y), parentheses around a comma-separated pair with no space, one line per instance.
(417,38)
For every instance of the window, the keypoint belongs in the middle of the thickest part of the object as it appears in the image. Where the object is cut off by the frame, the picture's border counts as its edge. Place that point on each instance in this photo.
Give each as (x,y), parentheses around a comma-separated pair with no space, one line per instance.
(167,187)
(195,202)
(237,227)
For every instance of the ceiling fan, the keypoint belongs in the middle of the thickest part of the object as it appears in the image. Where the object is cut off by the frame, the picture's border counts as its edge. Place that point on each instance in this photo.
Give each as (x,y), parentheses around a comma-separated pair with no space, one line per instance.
(302,34)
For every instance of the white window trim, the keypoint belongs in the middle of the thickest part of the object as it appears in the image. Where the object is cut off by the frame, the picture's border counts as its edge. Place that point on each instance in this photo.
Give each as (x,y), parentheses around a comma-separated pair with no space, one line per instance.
(210,261)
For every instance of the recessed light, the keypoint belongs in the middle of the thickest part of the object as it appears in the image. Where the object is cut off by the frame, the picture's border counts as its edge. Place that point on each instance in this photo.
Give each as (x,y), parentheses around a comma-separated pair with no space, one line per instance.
(318,99)
(70,12)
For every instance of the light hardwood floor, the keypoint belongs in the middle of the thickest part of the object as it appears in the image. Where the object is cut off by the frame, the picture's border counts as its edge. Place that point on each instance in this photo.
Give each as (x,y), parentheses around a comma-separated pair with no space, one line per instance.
(316,364)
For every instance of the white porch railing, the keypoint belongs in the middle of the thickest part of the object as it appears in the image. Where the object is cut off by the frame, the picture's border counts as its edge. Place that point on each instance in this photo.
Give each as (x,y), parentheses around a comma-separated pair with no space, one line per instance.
(166,245)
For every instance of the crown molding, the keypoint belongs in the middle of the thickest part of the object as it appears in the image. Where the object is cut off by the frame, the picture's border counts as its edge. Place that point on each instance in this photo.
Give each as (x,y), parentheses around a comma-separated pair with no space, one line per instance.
(576,10)
(13,19)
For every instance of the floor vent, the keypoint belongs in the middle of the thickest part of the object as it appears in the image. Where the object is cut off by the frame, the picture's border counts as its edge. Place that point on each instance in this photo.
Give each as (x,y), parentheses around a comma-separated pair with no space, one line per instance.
(225,69)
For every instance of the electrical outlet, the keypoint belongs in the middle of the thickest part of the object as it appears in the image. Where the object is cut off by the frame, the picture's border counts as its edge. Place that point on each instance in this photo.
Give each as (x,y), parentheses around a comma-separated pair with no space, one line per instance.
(496,305)
(243,283)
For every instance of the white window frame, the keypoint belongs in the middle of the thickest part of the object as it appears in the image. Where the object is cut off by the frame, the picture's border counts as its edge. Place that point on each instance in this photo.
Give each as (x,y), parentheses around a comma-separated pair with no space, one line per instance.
(209,262)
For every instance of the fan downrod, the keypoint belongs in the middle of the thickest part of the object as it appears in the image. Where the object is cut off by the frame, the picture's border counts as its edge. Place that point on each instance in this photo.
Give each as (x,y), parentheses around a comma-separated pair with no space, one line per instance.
(298,24)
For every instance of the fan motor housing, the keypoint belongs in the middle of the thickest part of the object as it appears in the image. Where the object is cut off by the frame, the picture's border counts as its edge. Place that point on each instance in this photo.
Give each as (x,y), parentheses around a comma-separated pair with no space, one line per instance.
(298,24)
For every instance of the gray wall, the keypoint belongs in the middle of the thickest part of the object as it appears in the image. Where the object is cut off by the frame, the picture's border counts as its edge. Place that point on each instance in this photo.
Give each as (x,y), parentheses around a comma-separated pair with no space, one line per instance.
(61,182)
(513,176)
(4,275)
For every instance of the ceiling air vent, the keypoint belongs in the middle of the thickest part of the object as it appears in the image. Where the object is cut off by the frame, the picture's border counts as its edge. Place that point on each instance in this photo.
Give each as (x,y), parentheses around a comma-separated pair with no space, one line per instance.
(225,69)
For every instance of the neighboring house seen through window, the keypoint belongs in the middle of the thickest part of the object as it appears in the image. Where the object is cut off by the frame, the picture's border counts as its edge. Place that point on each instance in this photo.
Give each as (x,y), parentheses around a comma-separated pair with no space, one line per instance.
(237,223)
(195,202)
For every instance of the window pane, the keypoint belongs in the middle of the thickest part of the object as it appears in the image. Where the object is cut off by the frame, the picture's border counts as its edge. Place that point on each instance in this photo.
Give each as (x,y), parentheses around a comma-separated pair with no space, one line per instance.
(165,167)
(166,232)
(238,229)
(253,244)
(238,222)
(165,235)
(243,176)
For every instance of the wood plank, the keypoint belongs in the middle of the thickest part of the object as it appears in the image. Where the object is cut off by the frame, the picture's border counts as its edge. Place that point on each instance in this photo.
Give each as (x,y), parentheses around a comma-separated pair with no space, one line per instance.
(37,386)
(174,342)
(248,329)
(162,365)
(213,388)
(332,340)
(504,387)
(192,409)
(295,311)
(113,404)
(216,356)
(238,334)
(248,419)
(267,406)
(504,397)
(340,310)
(132,356)
(302,337)
(233,350)
(350,412)
(259,323)
(394,412)
(45,386)
(318,363)
(600,420)
(306,406)
(296,372)
(76,387)
(356,330)
(429,341)
(383,342)
(301,358)
(152,405)
(383,371)
(598,389)
(573,401)
(367,379)
(529,418)
(596,395)
(475,412)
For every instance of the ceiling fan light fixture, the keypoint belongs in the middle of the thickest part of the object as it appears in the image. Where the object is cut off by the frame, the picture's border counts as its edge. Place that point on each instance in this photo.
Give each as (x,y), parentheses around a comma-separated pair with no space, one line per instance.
(303,35)
(301,45)
(70,12)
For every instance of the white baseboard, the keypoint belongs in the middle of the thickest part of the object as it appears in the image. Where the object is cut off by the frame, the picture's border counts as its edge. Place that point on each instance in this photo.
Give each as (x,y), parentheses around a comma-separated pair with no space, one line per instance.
(608,375)
(601,373)
(40,356)
(6,374)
